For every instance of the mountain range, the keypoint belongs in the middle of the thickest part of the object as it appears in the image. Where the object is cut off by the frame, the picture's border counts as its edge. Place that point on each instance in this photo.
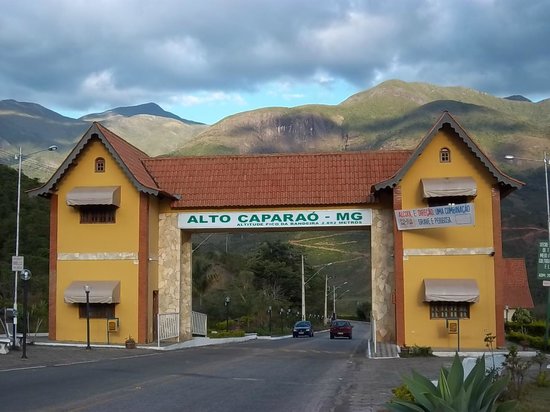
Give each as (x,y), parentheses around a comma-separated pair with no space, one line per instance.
(392,115)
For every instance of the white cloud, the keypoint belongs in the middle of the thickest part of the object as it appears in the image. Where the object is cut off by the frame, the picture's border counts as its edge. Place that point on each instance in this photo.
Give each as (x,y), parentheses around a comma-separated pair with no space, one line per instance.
(188,100)
(75,54)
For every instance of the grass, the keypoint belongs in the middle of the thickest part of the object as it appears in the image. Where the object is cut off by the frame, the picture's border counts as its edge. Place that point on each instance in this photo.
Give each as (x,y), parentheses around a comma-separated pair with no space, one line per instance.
(536,399)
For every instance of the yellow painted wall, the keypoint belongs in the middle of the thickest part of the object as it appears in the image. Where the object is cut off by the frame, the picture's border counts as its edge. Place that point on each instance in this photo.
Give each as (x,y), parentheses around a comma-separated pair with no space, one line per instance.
(120,237)
(419,328)
(153,261)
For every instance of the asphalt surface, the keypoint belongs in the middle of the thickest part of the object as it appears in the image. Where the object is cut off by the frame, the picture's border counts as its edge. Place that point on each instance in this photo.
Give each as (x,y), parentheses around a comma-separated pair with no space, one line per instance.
(43,356)
(367,385)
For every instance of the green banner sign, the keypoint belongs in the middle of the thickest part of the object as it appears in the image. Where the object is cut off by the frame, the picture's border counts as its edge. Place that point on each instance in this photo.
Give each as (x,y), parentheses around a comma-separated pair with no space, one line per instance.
(271,219)
(543,267)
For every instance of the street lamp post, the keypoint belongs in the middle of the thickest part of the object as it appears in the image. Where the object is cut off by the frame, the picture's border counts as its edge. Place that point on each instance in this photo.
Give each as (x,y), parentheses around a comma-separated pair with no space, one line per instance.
(16,272)
(25,277)
(226,303)
(326,298)
(545,160)
(269,313)
(305,282)
(334,289)
(87,291)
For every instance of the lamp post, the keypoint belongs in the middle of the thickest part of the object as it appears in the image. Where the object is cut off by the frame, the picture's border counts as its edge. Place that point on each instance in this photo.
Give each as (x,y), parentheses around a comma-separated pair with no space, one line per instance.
(334,289)
(269,313)
(16,272)
(545,160)
(226,303)
(326,299)
(304,283)
(25,277)
(87,291)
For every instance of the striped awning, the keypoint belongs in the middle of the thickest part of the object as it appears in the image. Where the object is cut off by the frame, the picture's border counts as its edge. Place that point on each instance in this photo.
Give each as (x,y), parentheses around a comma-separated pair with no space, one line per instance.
(94,195)
(101,291)
(450,290)
(449,186)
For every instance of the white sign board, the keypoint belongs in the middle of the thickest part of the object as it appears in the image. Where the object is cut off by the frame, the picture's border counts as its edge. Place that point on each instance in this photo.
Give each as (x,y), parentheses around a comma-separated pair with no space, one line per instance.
(17,263)
(275,219)
(432,217)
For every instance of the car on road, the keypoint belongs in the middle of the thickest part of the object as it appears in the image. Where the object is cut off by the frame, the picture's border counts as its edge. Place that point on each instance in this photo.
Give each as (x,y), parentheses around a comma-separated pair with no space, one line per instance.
(302,328)
(340,329)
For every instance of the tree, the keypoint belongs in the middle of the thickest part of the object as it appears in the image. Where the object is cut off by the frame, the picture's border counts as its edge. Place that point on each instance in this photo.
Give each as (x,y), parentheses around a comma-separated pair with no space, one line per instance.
(277,266)
(33,236)
(205,275)
(522,317)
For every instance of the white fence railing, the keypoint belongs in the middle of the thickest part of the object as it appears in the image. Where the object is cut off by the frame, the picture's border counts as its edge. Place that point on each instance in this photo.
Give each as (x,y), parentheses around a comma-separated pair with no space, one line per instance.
(373,332)
(168,325)
(198,323)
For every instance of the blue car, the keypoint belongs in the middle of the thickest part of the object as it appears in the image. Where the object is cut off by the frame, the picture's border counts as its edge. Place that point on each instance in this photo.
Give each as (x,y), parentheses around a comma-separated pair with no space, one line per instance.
(302,328)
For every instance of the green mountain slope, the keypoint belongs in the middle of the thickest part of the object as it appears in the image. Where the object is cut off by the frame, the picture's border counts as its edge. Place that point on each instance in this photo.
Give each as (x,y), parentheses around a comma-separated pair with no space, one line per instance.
(393,115)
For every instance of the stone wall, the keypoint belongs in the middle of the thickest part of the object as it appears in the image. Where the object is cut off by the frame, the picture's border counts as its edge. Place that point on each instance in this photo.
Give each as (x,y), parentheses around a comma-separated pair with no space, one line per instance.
(383,275)
(175,290)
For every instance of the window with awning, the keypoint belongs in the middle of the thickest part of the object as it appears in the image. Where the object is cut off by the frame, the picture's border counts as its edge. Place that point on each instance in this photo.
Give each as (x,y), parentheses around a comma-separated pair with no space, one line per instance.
(451,290)
(448,187)
(105,291)
(94,196)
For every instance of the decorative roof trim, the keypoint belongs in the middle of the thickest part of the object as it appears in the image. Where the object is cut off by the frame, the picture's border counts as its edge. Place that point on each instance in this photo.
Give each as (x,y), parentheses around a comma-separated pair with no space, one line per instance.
(95,129)
(506,182)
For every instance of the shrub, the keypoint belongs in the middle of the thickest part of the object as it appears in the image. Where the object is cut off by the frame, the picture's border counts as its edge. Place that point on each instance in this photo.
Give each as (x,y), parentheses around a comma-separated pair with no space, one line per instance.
(522,339)
(541,379)
(516,368)
(535,328)
(415,351)
(402,392)
(478,392)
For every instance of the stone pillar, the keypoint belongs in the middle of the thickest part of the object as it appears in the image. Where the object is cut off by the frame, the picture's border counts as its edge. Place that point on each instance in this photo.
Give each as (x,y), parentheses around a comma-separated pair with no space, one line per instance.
(169,263)
(174,272)
(383,274)
(186,287)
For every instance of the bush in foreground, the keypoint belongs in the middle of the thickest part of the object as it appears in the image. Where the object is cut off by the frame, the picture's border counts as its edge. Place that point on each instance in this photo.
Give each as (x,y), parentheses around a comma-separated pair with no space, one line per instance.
(479,391)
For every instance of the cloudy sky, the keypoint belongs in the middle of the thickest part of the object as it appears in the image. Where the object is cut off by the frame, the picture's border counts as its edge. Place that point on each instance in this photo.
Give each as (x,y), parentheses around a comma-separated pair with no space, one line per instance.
(205,60)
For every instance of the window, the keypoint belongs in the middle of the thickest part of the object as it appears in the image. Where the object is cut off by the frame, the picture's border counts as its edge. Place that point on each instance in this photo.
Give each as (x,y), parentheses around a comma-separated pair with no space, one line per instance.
(97,310)
(447,201)
(449,310)
(99,165)
(97,214)
(445,155)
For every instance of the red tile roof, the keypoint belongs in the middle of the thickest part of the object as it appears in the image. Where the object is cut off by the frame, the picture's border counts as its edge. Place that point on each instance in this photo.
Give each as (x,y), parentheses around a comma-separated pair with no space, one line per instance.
(344,178)
(131,157)
(516,286)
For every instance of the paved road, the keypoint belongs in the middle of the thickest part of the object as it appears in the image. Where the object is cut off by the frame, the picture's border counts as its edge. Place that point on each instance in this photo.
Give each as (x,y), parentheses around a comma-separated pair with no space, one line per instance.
(306,374)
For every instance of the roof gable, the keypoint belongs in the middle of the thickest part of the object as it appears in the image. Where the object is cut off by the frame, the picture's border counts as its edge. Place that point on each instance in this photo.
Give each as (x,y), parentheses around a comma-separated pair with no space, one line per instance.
(127,156)
(507,183)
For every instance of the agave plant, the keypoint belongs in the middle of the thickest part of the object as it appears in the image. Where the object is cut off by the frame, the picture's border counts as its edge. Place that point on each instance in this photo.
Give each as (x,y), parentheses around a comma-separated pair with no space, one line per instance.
(478,392)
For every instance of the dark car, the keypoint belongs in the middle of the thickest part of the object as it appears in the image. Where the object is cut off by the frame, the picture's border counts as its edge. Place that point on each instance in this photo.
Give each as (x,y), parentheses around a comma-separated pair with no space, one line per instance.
(340,329)
(302,328)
